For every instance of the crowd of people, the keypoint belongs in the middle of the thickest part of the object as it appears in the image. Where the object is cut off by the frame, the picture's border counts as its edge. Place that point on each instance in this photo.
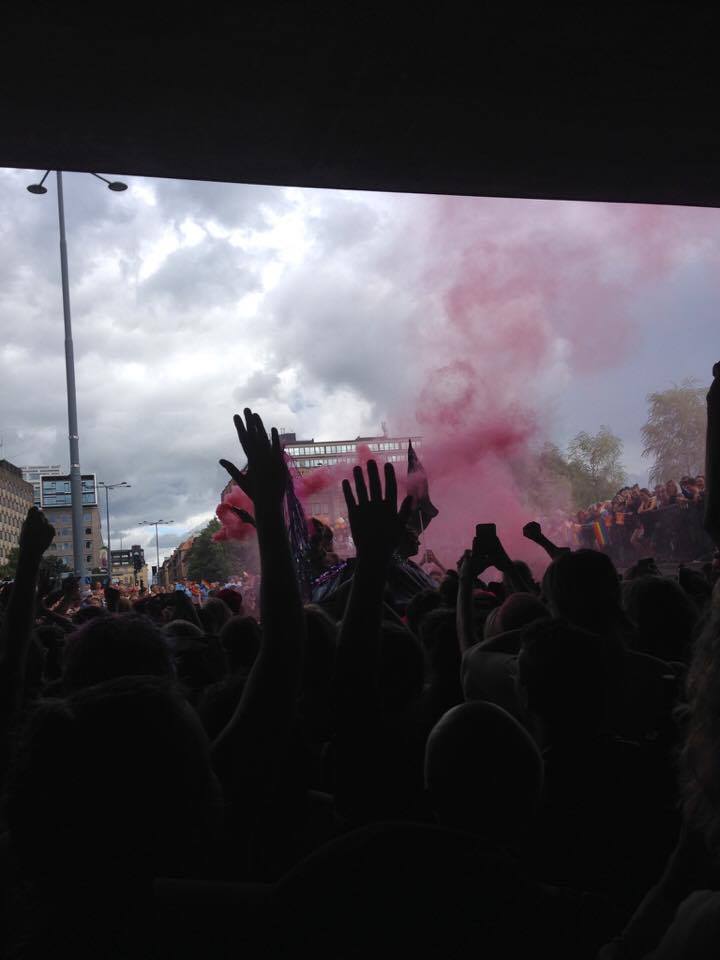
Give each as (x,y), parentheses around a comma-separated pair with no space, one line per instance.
(666,522)
(436,769)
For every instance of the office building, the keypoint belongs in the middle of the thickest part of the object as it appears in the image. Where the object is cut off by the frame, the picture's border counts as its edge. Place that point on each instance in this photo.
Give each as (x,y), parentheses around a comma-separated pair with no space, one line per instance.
(33,475)
(328,505)
(56,502)
(129,567)
(16,498)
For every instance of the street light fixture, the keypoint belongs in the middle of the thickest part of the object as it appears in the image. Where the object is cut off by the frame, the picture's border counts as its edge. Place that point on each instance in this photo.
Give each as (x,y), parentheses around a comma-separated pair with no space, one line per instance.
(156,523)
(108,487)
(74,439)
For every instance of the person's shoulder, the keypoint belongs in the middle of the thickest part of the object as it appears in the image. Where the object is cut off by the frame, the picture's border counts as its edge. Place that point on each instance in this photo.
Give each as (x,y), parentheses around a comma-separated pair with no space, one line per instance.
(695,930)
(647,663)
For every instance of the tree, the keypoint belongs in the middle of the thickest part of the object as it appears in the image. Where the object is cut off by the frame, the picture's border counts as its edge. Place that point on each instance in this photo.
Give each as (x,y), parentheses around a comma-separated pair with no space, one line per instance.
(596,469)
(208,560)
(53,565)
(7,569)
(674,435)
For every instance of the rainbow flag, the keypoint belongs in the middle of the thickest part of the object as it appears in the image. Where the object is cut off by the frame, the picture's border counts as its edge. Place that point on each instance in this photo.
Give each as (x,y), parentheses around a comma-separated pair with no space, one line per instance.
(600,533)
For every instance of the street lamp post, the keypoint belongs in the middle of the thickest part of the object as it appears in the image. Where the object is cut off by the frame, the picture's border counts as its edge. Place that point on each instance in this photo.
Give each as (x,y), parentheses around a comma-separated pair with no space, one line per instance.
(108,487)
(156,523)
(73,434)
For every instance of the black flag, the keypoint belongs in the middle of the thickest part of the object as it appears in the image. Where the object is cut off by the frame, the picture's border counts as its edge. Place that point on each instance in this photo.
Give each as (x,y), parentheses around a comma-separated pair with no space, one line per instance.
(417,487)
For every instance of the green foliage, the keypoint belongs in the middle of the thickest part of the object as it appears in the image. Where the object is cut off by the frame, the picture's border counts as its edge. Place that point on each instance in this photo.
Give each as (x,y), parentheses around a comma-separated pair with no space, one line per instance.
(209,560)
(53,565)
(596,469)
(7,570)
(674,434)
(590,470)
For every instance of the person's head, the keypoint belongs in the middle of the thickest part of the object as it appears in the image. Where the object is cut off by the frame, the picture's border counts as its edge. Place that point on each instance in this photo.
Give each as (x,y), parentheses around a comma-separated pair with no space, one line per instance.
(320,646)
(240,638)
(700,483)
(438,636)
(449,587)
(401,667)
(420,606)
(563,678)
(672,489)
(87,613)
(52,640)
(522,570)
(517,611)
(664,615)
(583,587)
(113,782)
(699,769)
(483,772)
(114,646)
(233,599)
(409,543)
(214,614)
(199,659)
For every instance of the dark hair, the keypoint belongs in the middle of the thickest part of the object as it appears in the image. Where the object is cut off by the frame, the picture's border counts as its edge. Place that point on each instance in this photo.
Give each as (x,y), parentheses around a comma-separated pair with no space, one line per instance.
(106,781)
(664,615)
(584,588)
(518,610)
(449,587)
(401,667)
(214,614)
(699,769)
(438,636)
(419,606)
(116,645)
(523,570)
(85,614)
(240,638)
(482,770)
(565,673)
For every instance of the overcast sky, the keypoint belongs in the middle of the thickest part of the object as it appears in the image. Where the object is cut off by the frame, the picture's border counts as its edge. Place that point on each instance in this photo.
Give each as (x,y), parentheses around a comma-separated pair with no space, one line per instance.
(331,312)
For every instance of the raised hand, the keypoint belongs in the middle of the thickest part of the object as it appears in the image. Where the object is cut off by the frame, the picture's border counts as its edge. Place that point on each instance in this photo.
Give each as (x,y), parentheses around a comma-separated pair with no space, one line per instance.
(376,523)
(265,478)
(36,535)
(471,566)
(533,531)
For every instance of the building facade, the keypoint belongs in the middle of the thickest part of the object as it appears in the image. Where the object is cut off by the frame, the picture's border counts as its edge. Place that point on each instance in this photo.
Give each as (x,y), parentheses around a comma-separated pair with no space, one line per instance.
(128,570)
(16,498)
(328,505)
(33,475)
(56,502)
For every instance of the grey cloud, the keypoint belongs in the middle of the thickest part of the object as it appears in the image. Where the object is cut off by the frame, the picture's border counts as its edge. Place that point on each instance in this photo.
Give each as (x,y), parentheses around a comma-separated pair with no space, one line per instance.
(231,205)
(207,274)
(260,385)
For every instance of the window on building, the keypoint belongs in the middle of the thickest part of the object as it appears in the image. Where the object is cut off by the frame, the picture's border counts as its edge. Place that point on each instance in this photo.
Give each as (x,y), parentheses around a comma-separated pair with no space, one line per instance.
(88,544)
(88,558)
(88,531)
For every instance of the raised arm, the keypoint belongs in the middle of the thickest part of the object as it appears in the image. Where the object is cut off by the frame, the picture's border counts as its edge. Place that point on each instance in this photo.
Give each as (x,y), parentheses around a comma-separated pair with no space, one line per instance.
(35,537)
(712,459)
(256,737)
(533,531)
(376,526)
(468,572)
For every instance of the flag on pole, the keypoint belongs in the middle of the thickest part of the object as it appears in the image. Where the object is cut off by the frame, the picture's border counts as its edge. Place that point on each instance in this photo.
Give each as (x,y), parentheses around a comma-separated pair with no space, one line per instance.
(423,510)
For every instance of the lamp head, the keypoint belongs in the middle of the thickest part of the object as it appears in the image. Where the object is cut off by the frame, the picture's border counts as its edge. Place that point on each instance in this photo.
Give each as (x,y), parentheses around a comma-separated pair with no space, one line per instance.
(37,188)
